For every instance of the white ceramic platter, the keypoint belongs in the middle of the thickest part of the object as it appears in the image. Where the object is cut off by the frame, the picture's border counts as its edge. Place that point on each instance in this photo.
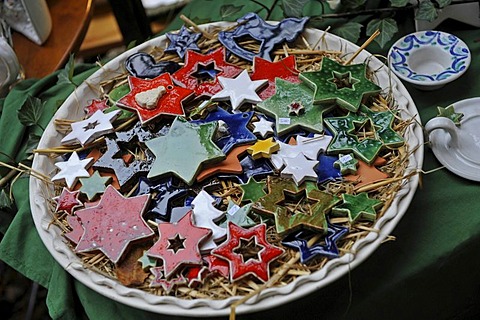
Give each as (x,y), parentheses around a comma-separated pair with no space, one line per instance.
(270,298)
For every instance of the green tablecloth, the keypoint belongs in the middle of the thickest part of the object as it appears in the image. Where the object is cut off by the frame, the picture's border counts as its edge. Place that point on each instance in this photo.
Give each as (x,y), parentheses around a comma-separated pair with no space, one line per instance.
(431,271)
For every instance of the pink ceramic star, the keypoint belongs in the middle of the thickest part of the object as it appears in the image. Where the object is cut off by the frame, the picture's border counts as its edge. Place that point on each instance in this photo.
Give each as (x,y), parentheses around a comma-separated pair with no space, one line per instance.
(94,106)
(167,285)
(67,201)
(77,229)
(178,244)
(259,266)
(113,223)
(166,101)
(284,69)
(216,59)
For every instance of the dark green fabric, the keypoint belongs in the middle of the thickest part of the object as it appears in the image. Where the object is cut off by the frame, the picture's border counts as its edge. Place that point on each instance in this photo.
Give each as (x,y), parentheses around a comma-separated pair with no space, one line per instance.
(431,271)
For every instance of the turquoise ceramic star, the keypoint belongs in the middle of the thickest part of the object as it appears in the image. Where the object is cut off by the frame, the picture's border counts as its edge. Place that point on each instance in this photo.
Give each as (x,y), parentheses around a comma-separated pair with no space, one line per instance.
(346,163)
(184,150)
(449,112)
(337,83)
(358,207)
(146,261)
(238,215)
(94,185)
(279,107)
(253,190)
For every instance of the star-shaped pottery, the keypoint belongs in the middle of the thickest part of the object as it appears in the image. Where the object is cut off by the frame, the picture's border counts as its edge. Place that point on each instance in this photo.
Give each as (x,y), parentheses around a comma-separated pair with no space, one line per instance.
(285,69)
(231,164)
(154,98)
(195,275)
(238,215)
(345,85)
(146,261)
(263,148)
(85,131)
(449,112)
(72,169)
(240,90)
(184,150)
(383,126)
(67,201)
(77,229)
(358,207)
(367,174)
(205,215)
(182,41)
(94,106)
(258,265)
(325,170)
(263,127)
(94,185)
(299,168)
(113,223)
(188,75)
(178,244)
(143,65)
(346,163)
(166,284)
(253,190)
(278,107)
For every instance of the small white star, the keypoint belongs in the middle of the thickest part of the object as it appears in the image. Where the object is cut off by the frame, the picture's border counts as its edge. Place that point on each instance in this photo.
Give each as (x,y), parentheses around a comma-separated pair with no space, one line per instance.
(239,90)
(72,169)
(87,130)
(263,127)
(299,169)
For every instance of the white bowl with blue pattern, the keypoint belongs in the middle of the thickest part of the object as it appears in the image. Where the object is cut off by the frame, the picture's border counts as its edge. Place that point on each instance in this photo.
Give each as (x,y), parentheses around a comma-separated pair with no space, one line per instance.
(429,59)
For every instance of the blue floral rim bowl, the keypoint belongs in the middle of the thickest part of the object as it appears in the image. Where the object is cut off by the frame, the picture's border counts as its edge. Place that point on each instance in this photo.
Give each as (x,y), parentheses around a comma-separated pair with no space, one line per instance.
(429,59)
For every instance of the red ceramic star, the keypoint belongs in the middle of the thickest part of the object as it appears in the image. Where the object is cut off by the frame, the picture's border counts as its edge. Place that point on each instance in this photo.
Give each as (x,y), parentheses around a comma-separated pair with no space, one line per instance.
(285,69)
(195,275)
(67,201)
(186,76)
(258,266)
(113,223)
(96,105)
(218,265)
(178,244)
(168,103)
(77,229)
(167,285)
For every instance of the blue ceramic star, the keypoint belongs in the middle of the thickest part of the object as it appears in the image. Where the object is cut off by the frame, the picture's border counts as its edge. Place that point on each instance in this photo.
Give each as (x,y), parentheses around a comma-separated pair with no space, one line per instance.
(238,133)
(326,170)
(298,240)
(258,169)
(182,41)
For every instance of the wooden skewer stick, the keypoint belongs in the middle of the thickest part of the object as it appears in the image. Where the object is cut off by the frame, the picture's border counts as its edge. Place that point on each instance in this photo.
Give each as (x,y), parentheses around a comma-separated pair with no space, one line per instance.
(195,26)
(364,45)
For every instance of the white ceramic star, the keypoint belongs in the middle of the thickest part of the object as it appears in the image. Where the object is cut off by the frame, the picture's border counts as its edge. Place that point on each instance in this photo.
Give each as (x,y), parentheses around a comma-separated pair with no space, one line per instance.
(239,90)
(263,127)
(299,169)
(286,151)
(205,215)
(72,169)
(87,130)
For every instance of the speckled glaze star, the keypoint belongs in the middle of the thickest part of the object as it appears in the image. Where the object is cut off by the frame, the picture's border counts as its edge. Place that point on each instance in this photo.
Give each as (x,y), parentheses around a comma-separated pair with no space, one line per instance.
(146,261)
(449,112)
(94,185)
(253,190)
(299,168)
(77,229)
(182,41)
(72,169)
(287,93)
(263,148)
(238,215)
(166,284)
(285,69)
(183,139)
(263,127)
(87,130)
(383,123)
(205,215)
(67,201)
(346,163)
(345,85)
(231,164)
(240,90)
(357,207)
(167,102)
(113,223)
(193,61)
(178,244)
(236,133)
(239,266)
(94,106)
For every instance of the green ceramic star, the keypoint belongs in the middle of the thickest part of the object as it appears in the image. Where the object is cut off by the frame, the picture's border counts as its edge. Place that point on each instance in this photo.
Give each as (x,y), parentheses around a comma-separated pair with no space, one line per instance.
(184,150)
(146,261)
(238,215)
(383,122)
(94,185)
(449,112)
(346,163)
(279,107)
(340,84)
(253,190)
(357,207)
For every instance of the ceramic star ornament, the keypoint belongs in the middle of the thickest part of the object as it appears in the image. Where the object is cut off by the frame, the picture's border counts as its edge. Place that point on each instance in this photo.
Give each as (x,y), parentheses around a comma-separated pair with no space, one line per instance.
(346,163)
(231,164)
(182,41)
(449,112)
(240,90)
(67,201)
(94,185)
(146,261)
(253,190)
(205,215)
(184,139)
(263,127)
(345,85)
(87,130)
(154,98)
(143,65)
(299,168)
(367,174)
(240,266)
(238,215)
(72,169)
(94,106)
(263,148)
(357,207)
(113,223)
(383,127)
(178,244)
(285,69)
(77,229)
(166,284)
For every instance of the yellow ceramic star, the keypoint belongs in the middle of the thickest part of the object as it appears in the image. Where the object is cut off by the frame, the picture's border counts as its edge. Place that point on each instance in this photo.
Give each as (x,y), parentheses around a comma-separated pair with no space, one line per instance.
(263,148)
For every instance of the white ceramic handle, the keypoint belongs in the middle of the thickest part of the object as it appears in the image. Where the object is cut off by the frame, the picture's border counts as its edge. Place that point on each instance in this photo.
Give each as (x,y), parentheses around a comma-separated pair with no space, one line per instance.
(445,124)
